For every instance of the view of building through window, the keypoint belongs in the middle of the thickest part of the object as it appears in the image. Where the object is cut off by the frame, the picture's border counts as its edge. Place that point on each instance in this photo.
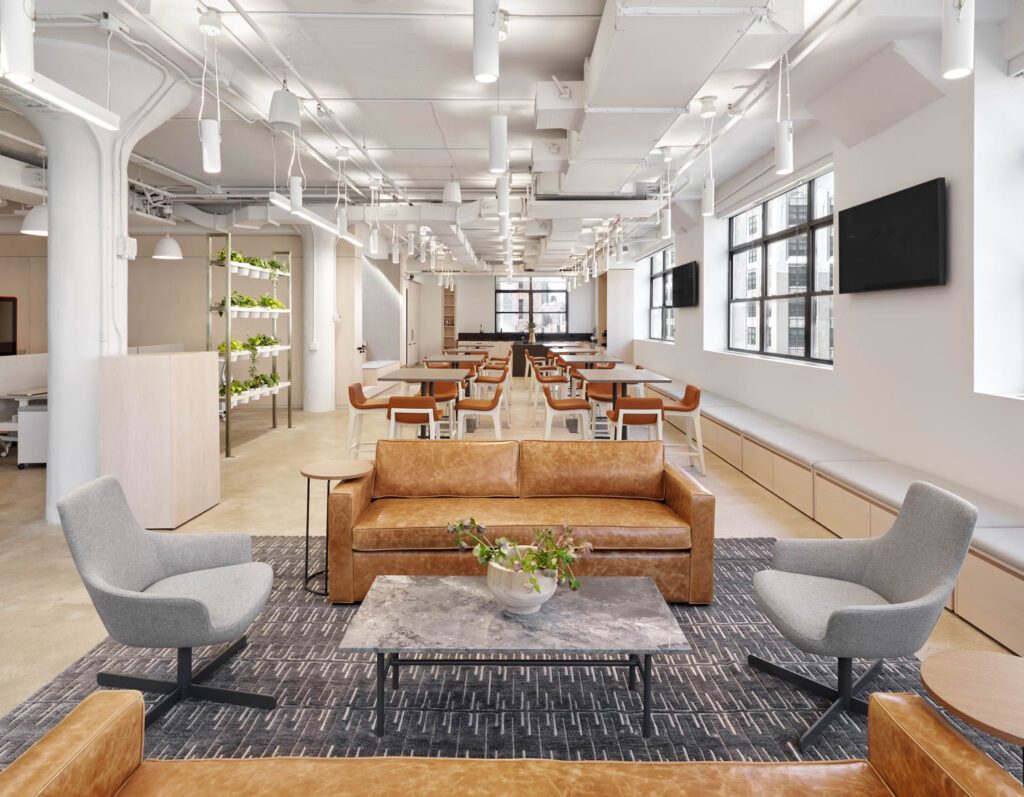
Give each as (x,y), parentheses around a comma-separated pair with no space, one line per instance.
(781,263)
(543,300)
(659,269)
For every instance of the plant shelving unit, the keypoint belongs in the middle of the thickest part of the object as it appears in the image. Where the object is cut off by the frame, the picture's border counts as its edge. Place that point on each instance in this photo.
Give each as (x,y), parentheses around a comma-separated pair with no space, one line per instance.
(280,320)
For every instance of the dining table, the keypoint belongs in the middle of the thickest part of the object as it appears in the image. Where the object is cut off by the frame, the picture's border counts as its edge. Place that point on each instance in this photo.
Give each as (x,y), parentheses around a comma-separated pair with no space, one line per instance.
(624,376)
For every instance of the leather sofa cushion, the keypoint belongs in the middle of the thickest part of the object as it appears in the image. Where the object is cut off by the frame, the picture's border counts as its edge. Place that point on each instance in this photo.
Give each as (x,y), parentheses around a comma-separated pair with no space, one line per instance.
(391,524)
(887,483)
(600,469)
(439,468)
(429,777)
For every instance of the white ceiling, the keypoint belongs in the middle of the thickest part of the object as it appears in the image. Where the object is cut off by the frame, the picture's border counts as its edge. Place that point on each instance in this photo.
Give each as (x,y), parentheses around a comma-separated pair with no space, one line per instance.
(395,80)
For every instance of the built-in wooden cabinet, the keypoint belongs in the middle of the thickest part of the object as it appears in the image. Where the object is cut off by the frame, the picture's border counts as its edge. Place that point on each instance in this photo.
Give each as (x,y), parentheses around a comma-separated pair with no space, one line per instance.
(448,334)
(160,435)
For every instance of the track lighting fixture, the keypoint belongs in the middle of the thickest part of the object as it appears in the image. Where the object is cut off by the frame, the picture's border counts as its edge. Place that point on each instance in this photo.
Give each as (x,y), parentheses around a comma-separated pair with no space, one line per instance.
(957,38)
(502,25)
(783,127)
(486,30)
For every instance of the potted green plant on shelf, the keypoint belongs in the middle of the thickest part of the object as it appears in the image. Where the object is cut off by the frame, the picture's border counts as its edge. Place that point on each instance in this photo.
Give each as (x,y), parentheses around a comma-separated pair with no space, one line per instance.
(523,577)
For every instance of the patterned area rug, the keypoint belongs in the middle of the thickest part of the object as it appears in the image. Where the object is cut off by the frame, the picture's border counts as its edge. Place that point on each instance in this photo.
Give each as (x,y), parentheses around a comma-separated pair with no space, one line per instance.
(708,705)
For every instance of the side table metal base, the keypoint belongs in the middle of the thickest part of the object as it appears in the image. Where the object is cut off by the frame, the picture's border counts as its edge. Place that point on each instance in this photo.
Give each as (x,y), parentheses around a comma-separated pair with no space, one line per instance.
(307,575)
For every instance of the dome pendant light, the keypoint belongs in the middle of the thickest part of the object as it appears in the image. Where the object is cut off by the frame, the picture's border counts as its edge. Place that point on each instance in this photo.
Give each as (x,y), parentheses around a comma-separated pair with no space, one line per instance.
(784,127)
(486,30)
(957,38)
(37,221)
(167,249)
(498,160)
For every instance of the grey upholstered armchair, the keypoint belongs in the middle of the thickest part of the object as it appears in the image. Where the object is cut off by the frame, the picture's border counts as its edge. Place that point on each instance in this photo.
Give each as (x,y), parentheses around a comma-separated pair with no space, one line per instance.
(159,590)
(868,598)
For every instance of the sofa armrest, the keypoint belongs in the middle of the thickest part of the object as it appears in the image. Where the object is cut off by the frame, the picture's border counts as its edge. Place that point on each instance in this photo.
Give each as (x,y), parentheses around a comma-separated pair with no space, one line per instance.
(93,750)
(917,753)
(345,505)
(688,498)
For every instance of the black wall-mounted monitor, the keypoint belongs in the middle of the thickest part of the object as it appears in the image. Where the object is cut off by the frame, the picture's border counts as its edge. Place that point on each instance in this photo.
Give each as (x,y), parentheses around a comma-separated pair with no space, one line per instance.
(896,241)
(686,285)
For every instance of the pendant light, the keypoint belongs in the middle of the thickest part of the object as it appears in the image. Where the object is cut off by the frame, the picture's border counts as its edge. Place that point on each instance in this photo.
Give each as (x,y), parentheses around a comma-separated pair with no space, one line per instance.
(452,193)
(374,241)
(424,244)
(37,221)
(707,194)
(666,220)
(498,157)
(209,129)
(784,127)
(167,249)
(486,30)
(502,190)
(285,110)
(394,246)
(957,38)
(503,226)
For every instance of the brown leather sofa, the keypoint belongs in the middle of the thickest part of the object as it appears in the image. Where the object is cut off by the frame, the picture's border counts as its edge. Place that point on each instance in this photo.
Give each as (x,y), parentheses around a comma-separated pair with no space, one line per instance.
(97,750)
(643,516)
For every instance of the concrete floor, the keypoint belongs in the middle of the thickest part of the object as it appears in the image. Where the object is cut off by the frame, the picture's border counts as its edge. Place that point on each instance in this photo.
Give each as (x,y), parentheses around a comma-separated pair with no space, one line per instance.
(47,620)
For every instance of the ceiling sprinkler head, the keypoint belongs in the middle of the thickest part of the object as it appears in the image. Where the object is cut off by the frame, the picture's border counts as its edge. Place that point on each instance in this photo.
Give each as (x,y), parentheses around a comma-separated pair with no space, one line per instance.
(707,107)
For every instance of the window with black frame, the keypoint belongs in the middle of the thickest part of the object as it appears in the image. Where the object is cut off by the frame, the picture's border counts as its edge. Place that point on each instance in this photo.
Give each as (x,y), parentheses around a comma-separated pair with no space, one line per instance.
(781,266)
(542,300)
(659,266)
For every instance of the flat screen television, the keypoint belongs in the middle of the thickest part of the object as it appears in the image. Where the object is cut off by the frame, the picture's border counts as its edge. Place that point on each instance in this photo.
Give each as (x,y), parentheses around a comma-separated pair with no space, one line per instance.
(896,241)
(685,285)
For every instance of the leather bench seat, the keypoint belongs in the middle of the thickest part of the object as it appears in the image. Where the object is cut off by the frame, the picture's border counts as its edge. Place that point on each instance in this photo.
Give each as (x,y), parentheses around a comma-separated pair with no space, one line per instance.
(608,523)
(887,483)
(1005,544)
(803,445)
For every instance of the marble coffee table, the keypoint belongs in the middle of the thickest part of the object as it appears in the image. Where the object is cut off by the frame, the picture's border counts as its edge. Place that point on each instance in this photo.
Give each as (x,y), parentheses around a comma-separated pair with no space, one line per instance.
(611,621)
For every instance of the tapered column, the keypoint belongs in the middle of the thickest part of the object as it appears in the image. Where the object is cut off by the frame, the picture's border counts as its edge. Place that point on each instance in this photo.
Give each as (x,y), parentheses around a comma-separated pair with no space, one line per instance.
(87,263)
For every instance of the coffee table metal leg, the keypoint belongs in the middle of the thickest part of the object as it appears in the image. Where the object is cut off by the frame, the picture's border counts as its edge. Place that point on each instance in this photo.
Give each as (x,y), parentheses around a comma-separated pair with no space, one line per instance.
(634,662)
(394,671)
(307,576)
(647,695)
(382,675)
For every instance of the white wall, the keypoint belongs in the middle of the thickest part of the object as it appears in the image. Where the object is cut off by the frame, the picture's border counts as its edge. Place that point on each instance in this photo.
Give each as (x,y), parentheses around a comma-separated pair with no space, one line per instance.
(382,316)
(474,303)
(903,380)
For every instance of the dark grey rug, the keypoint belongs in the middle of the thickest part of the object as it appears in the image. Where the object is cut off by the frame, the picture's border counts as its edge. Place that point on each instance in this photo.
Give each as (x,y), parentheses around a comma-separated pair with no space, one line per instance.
(708,705)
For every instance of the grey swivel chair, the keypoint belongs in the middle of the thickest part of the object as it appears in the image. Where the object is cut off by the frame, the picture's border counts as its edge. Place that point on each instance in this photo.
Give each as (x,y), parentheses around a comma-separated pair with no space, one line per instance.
(158,590)
(865,598)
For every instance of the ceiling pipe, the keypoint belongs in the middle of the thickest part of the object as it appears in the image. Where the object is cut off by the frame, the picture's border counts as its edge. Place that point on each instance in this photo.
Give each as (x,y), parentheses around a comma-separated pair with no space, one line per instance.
(254,26)
(260,119)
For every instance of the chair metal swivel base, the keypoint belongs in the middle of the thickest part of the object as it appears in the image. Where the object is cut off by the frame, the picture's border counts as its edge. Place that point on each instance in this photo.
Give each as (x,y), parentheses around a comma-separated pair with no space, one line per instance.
(842,695)
(188,685)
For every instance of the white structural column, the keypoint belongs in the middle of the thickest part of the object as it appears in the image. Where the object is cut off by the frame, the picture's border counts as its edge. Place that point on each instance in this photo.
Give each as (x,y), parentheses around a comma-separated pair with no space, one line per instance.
(349,328)
(87,270)
(319,303)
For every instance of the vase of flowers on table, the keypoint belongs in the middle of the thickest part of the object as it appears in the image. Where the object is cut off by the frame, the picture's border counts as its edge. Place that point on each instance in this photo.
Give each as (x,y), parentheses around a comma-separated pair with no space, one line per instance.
(523,577)
(532,329)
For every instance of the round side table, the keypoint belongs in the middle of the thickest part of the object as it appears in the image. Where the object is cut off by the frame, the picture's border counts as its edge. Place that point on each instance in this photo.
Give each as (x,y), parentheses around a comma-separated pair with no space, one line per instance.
(982,688)
(335,470)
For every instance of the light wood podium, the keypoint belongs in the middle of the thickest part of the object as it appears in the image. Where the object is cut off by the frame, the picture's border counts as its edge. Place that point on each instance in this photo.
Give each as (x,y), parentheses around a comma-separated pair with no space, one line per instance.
(160,435)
